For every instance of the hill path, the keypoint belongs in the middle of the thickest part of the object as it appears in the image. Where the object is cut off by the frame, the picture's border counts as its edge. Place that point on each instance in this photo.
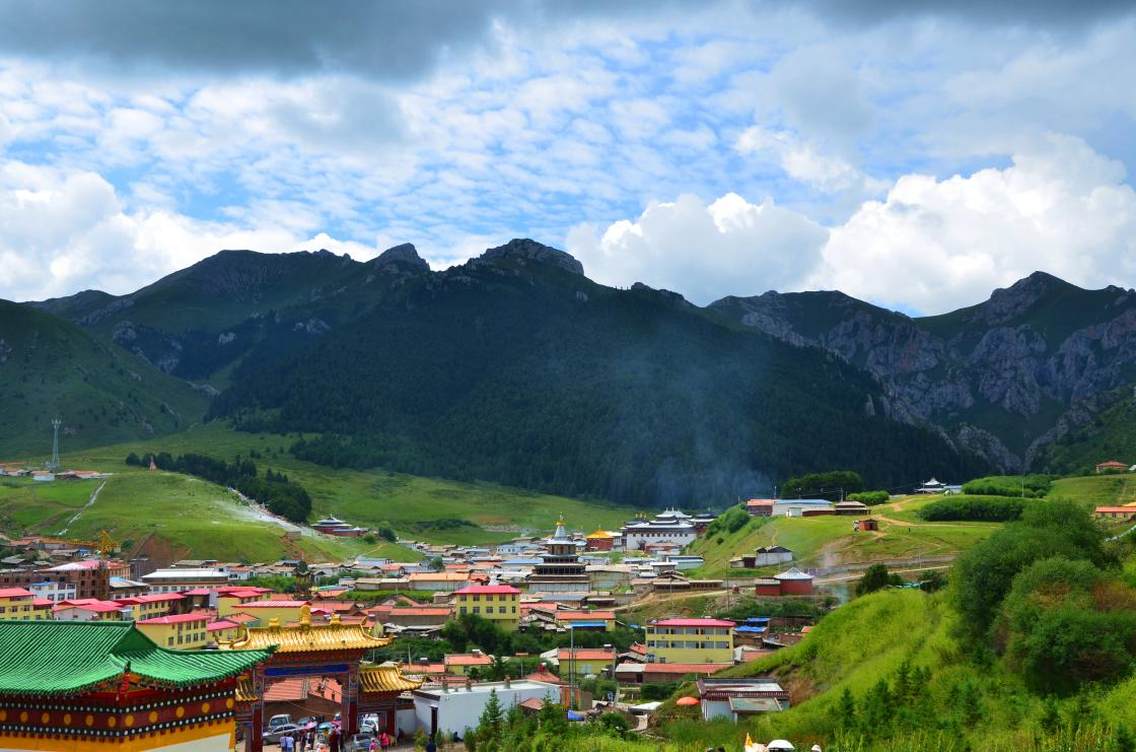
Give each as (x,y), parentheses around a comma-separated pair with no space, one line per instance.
(94,497)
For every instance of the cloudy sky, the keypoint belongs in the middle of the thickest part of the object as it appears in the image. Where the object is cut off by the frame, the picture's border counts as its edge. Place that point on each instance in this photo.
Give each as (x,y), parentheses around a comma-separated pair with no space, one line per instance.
(916,154)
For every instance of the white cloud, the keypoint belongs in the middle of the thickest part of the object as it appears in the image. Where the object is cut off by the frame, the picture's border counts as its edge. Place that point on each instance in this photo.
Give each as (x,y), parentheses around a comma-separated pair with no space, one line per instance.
(702,250)
(802,161)
(66,231)
(935,245)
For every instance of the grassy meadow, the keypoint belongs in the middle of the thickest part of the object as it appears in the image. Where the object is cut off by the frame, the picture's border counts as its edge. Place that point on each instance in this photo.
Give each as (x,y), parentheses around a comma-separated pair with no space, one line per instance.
(427,509)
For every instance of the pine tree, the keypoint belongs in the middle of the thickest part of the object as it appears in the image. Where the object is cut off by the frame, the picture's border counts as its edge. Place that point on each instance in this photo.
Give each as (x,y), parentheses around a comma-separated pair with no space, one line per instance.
(847,711)
(489,724)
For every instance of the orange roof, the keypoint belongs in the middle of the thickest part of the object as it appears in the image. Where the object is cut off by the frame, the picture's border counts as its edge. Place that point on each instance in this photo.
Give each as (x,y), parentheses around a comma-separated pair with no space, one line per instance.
(15,592)
(599,535)
(438,576)
(1115,510)
(467,659)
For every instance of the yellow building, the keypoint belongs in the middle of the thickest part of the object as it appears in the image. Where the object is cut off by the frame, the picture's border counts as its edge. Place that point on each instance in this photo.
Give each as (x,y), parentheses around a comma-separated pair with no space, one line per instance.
(152,605)
(284,612)
(499,604)
(691,640)
(178,632)
(18,604)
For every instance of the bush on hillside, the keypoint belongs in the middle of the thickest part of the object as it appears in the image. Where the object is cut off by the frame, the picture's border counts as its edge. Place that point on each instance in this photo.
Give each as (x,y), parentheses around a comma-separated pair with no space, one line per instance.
(871,498)
(976,508)
(730,521)
(1030,486)
(983,575)
(1066,624)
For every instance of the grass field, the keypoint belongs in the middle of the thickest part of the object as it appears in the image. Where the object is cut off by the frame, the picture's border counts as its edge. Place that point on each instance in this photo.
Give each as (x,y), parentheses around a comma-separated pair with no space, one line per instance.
(827,541)
(418,508)
(191,516)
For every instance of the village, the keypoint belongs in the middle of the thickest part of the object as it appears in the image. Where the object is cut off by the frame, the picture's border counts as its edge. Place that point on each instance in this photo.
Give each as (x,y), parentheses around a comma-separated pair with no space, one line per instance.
(295,654)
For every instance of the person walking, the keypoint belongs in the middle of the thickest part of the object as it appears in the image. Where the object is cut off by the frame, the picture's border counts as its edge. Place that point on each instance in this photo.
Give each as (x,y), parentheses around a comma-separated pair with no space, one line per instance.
(333,740)
(384,741)
(287,743)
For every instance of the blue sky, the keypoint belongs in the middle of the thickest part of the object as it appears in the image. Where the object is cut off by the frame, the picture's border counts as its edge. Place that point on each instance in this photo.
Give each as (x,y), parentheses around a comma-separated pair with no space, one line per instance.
(915,155)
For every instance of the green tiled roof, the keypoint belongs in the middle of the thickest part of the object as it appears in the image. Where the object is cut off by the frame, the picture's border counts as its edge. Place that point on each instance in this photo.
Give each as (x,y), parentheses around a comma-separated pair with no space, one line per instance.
(60,657)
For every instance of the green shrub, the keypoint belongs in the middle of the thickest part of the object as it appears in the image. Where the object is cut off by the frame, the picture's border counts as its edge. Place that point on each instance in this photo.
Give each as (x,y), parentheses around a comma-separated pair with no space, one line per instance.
(1029,486)
(977,508)
(871,498)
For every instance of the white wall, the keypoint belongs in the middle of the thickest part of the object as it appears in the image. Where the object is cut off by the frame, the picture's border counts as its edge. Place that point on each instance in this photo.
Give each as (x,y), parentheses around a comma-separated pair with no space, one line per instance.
(460,709)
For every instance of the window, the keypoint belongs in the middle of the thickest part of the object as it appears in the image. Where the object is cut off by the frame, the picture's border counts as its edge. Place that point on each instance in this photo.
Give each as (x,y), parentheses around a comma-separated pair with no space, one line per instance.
(500,609)
(463,610)
(169,641)
(477,609)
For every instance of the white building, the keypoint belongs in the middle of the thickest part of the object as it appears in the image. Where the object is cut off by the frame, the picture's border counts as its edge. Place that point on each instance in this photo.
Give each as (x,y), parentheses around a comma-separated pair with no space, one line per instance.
(671,526)
(177,579)
(457,708)
(767,555)
(54,591)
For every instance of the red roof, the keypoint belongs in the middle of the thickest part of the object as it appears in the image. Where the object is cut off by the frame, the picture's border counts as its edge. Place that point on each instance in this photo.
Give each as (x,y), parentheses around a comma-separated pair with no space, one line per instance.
(467,659)
(488,590)
(42,602)
(100,607)
(1115,510)
(585,615)
(176,618)
(421,611)
(15,592)
(684,668)
(693,623)
(586,654)
(274,604)
(220,624)
(198,591)
(533,703)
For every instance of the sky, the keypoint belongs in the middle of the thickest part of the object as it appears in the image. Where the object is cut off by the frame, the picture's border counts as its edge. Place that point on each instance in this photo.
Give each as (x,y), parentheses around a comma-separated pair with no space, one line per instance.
(914,154)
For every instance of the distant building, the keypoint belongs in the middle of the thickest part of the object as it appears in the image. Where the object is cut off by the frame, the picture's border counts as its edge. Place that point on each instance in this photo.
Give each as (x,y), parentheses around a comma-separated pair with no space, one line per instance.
(600,540)
(334,526)
(178,631)
(790,582)
(1116,513)
(932,486)
(560,569)
(20,604)
(737,698)
(1112,466)
(850,508)
(448,710)
(177,579)
(499,604)
(670,526)
(767,555)
(760,507)
(691,640)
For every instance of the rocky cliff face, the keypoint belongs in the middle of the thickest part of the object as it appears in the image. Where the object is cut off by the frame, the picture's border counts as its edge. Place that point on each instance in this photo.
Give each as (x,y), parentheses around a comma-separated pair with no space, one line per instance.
(1002,378)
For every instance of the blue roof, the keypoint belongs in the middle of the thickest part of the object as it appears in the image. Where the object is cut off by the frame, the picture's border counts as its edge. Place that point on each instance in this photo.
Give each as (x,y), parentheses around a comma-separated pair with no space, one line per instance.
(754,630)
(578,624)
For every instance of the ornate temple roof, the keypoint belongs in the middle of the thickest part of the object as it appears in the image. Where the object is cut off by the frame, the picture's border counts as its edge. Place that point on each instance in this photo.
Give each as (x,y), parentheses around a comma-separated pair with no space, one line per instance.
(306,637)
(66,657)
(386,677)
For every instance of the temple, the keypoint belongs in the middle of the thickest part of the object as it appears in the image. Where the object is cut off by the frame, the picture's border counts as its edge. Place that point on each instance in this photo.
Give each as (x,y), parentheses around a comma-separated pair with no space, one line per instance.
(74,686)
(333,652)
(560,570)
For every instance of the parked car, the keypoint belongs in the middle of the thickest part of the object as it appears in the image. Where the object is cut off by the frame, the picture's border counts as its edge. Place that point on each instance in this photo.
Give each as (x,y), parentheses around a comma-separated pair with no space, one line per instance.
(281,719)
(360,743)
(273,736)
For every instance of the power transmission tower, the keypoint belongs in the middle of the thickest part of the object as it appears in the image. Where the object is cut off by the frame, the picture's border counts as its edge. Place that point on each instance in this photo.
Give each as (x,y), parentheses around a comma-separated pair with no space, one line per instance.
(55,424)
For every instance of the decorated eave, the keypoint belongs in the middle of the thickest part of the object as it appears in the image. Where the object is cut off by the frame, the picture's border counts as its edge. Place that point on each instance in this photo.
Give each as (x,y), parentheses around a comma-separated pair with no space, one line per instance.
(61,658)
(386,678)
(306,637)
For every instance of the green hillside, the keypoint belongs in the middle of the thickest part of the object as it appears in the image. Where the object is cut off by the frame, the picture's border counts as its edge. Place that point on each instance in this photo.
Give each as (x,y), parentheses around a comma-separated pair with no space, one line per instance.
(418,508)
(1110,436)
(828,541)
(188,517)
(103,394)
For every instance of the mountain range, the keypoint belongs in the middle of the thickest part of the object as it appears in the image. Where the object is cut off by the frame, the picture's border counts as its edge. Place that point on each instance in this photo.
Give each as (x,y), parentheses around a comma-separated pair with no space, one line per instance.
(515,367)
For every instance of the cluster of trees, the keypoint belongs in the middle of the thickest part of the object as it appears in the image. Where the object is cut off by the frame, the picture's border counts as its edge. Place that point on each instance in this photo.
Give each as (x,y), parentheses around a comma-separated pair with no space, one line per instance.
(281,496)
(1046,594)
(471,631)
(1032,486)
(729,521)
(871,498)
(902,703)
(832,485)
(978,508)
(499,729)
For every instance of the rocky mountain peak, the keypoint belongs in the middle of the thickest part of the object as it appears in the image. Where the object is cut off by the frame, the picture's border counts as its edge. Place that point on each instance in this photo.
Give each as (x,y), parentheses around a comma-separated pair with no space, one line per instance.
(530,250)
(401,257)
(1006,303)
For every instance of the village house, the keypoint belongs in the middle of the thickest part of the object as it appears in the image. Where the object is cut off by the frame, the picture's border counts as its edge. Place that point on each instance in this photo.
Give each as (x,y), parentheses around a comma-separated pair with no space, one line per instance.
(737,698)
(1112,466)
(498,604)
(691,640)
(178,632)
(461,663)
(21,604)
